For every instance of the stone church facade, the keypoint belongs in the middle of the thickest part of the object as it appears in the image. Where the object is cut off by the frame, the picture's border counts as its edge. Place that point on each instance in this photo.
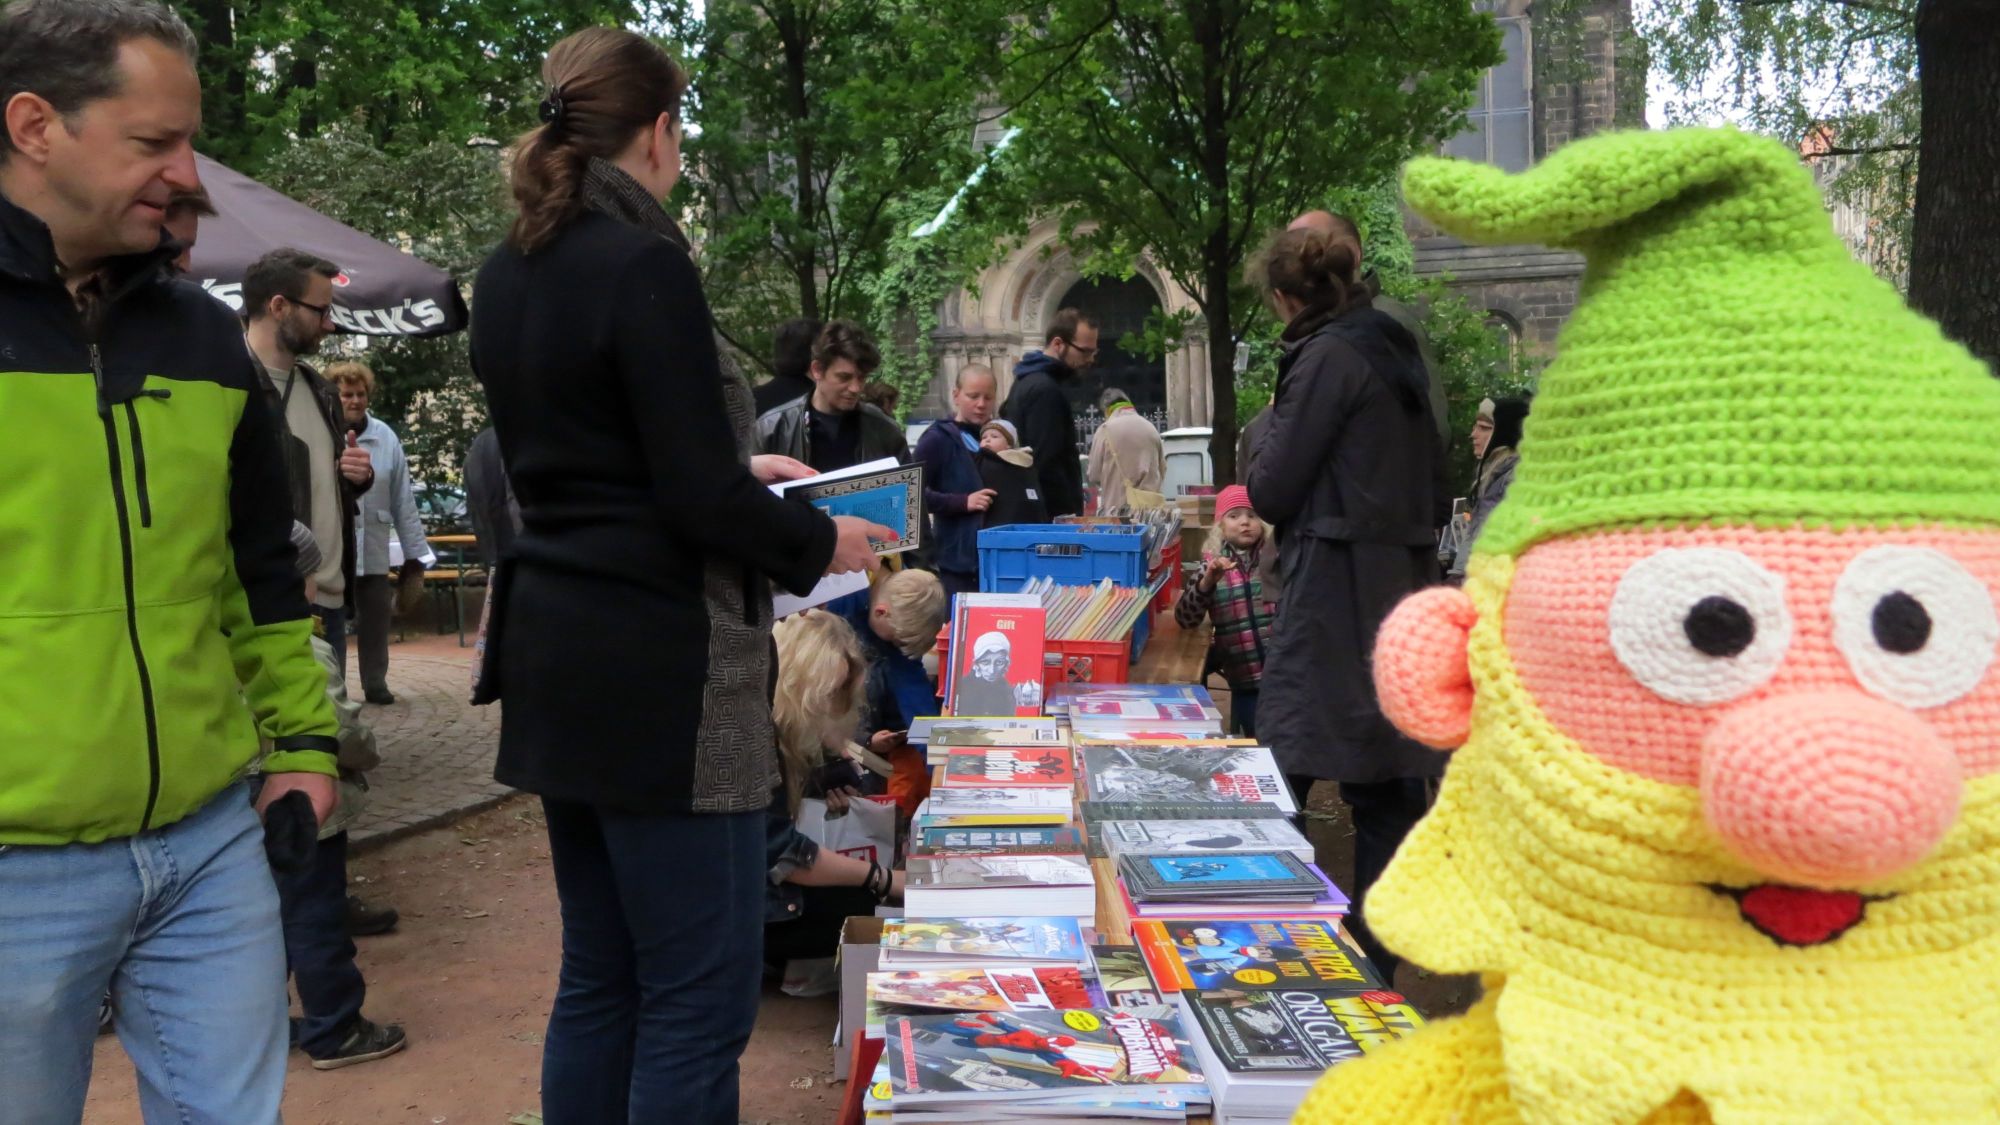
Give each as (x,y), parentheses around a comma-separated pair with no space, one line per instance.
(1549,90)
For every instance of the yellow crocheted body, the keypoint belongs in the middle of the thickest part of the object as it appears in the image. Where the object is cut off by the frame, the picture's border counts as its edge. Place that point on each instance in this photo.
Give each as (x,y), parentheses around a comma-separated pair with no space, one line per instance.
(1630,982)
(1452,1073)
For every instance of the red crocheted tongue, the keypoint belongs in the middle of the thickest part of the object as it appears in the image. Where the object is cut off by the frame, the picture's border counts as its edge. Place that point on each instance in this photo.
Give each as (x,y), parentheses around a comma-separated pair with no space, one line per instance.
(1798,915)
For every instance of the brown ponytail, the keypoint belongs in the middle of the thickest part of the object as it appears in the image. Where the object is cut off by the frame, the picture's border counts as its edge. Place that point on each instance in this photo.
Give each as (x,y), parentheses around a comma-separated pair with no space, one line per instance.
(1313,266)
(605,85)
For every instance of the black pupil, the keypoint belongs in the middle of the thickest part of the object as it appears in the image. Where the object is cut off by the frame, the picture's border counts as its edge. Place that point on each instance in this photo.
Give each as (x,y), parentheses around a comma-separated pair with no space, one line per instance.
(1717,626)
(1902,624)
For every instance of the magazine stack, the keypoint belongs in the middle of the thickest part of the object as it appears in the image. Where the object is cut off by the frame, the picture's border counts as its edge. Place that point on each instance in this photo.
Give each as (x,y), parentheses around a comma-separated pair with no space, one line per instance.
(1224,984)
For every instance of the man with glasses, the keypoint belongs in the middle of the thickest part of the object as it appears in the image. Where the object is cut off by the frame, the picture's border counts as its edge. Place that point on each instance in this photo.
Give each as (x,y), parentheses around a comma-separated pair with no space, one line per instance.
(1039,408)
(288,300)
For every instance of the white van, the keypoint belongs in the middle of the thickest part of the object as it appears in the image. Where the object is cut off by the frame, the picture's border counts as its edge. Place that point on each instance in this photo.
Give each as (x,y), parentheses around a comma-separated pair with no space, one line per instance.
(1188,462)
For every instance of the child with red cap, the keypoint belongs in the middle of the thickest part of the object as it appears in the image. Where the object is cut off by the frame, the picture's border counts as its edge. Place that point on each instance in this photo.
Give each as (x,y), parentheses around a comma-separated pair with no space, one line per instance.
(1236,590)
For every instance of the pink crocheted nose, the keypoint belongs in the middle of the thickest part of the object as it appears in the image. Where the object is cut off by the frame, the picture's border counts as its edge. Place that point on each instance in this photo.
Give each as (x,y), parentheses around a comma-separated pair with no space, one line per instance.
(1828,789)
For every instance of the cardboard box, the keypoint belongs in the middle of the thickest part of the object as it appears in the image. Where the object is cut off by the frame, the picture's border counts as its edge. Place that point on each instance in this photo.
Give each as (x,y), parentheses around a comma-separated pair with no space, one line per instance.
(860,954)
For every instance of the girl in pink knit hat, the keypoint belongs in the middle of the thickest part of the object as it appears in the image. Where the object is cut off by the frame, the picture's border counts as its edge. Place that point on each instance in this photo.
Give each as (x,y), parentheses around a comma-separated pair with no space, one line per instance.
(1235,589)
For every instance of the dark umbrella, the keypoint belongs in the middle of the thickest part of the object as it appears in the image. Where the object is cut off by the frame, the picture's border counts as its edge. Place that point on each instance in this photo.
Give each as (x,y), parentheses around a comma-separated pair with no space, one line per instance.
(381,291)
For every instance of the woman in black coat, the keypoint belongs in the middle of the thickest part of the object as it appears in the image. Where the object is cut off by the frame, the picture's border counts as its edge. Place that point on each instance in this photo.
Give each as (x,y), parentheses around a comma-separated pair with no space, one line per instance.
(631,630)
(1351,474)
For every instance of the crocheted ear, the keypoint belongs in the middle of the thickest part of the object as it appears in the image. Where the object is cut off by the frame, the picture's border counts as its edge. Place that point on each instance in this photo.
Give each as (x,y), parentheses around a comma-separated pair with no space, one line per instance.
(1422,674)
(1585,189)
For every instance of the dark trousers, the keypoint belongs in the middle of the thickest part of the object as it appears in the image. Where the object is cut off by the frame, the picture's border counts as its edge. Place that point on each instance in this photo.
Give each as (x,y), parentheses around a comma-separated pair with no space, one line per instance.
(1383,813)
(816,931)
(333,622)
(663,935)
(957,582)
(312,903)
(373,596)
(1243,713)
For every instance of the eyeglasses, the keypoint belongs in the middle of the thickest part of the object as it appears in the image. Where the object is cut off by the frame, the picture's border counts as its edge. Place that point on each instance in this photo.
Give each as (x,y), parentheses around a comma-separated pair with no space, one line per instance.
(1088,353)
(325,311)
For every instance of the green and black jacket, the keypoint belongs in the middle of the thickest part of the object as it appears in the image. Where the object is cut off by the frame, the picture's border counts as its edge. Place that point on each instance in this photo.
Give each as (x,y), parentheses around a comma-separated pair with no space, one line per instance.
(152,621)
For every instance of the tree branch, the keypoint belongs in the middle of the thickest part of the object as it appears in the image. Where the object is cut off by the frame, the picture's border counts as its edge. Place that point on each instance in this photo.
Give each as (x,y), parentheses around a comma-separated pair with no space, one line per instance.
(1879,7)
(1863,150)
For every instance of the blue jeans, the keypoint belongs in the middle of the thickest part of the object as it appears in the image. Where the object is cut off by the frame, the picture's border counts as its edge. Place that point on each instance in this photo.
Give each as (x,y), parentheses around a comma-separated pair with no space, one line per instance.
(314,907)
(663,938)
(181,925)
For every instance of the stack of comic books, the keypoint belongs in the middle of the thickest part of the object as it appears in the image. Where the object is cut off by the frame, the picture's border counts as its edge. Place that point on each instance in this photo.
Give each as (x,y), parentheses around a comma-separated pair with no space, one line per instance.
(940,735)
(1131,781)
(1142,712)
(978,943)
(952,885)
(1262,1049)
(1243,885)
(1094,1064)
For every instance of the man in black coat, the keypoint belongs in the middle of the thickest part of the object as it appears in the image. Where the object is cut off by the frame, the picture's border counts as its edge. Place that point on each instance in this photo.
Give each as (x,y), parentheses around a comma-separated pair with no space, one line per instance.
(791,364)
(1040,410)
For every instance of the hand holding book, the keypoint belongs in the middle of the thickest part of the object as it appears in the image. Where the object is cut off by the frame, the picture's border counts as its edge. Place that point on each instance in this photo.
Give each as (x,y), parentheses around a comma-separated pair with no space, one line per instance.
(854,545)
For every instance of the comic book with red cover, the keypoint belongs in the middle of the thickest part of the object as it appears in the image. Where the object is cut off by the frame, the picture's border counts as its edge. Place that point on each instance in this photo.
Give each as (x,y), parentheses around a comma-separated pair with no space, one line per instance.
(1011,766)
(997,645)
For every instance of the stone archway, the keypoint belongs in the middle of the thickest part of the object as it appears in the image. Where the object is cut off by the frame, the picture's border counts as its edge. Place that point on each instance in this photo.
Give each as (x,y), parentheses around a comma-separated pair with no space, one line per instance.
(1121,308)
(1003,315)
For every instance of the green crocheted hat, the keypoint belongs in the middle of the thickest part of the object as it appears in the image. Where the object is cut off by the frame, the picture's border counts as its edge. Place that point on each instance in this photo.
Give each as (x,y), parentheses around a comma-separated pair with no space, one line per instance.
(1728,360)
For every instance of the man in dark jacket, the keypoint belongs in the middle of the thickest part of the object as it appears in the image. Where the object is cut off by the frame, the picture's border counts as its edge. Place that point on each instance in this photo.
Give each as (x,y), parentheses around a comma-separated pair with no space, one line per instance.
(1040,409)
(791,364)
(831,428)
(288,301)
(151,625)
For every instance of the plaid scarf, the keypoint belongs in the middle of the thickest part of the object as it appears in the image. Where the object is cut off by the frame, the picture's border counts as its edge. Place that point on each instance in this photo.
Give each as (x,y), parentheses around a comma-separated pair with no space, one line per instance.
(1243,618)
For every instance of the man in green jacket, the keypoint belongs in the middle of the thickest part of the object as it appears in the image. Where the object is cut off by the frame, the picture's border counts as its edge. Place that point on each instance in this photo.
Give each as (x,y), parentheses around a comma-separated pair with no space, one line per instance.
(151,625)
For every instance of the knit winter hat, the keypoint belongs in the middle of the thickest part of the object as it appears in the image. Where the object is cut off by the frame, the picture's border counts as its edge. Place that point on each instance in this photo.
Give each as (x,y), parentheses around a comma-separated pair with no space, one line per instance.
(1728,360)
(1231,498)
(1005,427)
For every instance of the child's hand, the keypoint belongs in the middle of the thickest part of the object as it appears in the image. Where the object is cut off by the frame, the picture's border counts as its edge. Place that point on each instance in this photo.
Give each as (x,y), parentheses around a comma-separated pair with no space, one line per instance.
(837,800)
(886,742)
(1217,567)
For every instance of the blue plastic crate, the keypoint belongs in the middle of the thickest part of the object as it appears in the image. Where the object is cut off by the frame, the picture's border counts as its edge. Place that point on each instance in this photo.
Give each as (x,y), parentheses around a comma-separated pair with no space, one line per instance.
(1072,554)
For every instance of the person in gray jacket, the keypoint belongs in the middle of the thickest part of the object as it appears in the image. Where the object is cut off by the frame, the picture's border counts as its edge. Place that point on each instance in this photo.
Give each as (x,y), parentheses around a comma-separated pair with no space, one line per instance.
(391,506)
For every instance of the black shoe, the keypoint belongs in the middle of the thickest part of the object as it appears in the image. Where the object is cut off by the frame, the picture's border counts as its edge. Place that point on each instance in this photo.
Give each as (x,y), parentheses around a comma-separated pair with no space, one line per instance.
(378,695)
(365,1041)
(364,920)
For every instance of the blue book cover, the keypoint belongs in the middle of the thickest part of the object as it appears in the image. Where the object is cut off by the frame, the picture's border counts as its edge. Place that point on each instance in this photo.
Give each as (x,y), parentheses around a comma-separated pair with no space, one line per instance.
(1208,870)
(881,491)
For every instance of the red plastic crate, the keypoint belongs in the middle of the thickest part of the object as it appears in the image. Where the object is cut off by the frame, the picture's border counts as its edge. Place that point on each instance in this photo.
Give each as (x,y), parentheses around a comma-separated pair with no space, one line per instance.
(1170,561)
(1092,662)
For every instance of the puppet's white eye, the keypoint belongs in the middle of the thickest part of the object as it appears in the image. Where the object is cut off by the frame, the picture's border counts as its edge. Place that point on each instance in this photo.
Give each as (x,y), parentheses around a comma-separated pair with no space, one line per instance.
(1916,627)
(1701,624)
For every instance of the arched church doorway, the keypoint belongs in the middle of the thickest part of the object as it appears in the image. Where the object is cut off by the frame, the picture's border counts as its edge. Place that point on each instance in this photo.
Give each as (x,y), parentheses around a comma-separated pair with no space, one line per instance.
(1121,309)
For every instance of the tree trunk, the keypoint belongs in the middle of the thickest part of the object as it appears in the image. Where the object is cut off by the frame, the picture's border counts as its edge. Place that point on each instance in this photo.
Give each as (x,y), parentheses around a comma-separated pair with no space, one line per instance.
(1218,264)
(1956,239)
(805,259)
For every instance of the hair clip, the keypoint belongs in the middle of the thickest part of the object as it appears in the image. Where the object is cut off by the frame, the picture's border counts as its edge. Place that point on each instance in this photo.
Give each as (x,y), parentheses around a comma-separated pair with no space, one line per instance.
(552,109)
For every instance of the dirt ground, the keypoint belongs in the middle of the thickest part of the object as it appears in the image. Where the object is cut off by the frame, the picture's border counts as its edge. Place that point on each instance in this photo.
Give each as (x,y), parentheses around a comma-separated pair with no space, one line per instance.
(472,968)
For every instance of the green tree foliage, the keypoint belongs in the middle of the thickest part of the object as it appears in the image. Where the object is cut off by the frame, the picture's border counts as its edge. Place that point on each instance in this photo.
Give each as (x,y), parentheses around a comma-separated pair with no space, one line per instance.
(1188,129)
(443,202)
(401,75)
(821,129)
(1902,93)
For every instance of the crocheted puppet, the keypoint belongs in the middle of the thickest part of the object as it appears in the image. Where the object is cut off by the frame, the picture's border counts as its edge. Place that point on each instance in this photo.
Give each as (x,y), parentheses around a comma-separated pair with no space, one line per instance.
(1723,828)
